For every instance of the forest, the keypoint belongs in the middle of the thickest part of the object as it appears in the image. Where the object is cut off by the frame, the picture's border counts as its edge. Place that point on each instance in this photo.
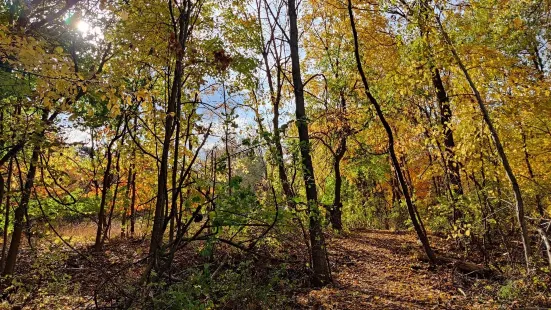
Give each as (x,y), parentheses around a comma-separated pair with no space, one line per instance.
(275,154)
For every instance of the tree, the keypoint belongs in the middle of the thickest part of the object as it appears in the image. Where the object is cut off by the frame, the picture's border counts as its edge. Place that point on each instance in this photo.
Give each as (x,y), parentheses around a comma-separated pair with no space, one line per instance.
(519,203)
(395,163)
(320,262)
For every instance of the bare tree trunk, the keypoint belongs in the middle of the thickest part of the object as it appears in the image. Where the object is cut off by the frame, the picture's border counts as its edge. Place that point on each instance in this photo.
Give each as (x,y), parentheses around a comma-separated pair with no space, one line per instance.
(319,258)
(519,205)
(405,191)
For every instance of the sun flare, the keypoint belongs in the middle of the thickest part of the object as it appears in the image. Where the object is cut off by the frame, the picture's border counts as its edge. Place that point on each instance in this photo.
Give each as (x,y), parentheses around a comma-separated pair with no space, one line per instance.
(83,26)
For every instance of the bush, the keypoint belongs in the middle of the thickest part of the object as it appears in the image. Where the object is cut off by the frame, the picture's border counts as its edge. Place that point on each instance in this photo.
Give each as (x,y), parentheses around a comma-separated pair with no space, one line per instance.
(240,287)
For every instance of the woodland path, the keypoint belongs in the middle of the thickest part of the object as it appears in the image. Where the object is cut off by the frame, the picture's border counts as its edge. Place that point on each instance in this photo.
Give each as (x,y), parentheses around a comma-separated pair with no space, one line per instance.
(382,270)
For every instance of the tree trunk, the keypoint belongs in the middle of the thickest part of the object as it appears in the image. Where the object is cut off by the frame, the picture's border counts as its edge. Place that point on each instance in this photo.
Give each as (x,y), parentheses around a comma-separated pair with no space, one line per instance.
(539,203)
(133,206)
(227,122)
(336,209)
(7,214)
(6,220)
(401,180)
(547,244)
(126,202)
(162,179)
(20,211)
(104,191)
(174,191)
(319,258)
(452,165)
(107,229)
(449,144)
(275,98)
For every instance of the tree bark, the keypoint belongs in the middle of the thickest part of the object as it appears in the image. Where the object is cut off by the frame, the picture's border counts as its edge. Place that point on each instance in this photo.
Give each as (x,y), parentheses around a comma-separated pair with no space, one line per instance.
(104,191)
(445,121)
(6,220)
(126,202)
(133,206)
(452,166)
(7,214)
(275,98)
(336,210)
(319,258)
(19,214)
(158,229)
(107,229)
(531,174)
(547,244)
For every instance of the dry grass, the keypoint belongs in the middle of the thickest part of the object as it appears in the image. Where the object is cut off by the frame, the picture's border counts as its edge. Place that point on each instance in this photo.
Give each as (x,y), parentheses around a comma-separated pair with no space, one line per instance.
(78,233)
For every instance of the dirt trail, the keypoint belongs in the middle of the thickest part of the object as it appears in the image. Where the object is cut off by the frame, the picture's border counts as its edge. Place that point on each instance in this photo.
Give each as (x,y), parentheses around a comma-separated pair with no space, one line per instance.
(380,270)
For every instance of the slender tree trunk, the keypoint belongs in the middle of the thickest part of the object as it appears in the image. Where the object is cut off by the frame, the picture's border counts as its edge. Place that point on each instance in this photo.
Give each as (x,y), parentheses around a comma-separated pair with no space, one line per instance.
(405,191)
(336,210)
(126,202)
(452,166)
(6,220)
(20,211)
(7,213)
(319,258)
(519,205)
(227,134)
(132,184)
(547,244)
(104,191)
(158,229)
(162,192)
(539,203)
(101,212)
(174,197)
(275,98)
(287,190)
(107,229)
(449,143)
(133,206)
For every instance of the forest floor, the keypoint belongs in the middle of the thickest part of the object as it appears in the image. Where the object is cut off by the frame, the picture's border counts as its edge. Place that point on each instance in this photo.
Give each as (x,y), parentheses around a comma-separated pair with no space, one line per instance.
(371,270)
(383,270)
